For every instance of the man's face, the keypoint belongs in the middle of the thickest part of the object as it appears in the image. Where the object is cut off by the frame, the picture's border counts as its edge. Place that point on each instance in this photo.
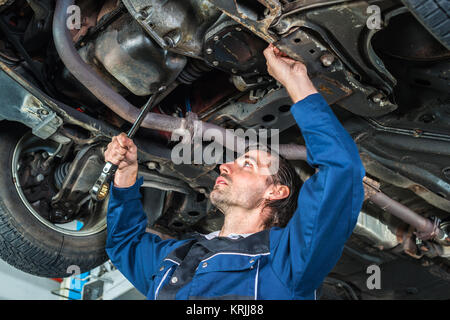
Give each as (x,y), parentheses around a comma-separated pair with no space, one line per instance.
(244,182)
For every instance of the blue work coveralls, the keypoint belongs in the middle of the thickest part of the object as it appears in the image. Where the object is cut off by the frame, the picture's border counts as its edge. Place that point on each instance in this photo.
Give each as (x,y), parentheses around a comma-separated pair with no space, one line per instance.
(278,263)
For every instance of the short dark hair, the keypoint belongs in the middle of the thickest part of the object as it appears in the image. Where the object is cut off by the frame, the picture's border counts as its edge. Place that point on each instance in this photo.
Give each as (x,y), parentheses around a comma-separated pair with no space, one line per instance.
(281,211)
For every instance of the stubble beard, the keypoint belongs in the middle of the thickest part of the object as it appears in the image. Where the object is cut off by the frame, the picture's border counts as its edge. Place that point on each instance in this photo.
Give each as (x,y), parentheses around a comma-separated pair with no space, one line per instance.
(224,199)
(220,199)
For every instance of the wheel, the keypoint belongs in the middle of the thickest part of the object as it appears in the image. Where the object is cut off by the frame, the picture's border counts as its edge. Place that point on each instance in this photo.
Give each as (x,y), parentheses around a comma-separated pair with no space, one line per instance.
(435,17)
(32,237)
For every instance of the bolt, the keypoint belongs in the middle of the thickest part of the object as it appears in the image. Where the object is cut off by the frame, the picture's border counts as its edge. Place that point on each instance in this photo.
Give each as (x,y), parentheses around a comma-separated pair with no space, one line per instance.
(169,41)
(209,51)
(238,29)
(216,38)
(201,190)
(378,98)
(234,70)
(40,177)
(43,111)
(215,63)
(152,165)
(446,172)
(327,59)
(142,15)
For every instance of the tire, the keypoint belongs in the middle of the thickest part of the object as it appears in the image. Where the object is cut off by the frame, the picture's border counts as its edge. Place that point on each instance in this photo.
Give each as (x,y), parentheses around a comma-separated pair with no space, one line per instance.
(434,16)
(28,244)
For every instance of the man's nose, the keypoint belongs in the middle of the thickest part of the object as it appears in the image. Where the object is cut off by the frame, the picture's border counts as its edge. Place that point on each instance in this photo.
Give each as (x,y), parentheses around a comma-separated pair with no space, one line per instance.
(226,168)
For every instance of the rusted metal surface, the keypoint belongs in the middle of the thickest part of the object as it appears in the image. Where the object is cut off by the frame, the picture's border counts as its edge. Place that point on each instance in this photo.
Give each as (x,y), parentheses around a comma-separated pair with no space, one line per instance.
(400,161)
(332,90)
(93,82)
(260,26)
(69,115)
(113,100)
(78,181)
(234,49)
(137,63)
(108,7)
(20,105)
(178,26)
(426,229)
(340,26)
(89,16)
(371,187)
(298,5)
(269,111)
(324,68)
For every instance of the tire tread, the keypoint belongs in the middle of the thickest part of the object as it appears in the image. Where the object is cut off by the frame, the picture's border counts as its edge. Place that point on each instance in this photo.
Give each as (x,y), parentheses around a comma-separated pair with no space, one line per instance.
(434,15)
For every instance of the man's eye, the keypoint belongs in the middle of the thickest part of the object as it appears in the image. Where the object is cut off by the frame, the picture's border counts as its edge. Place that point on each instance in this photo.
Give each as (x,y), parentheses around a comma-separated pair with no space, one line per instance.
(248,164)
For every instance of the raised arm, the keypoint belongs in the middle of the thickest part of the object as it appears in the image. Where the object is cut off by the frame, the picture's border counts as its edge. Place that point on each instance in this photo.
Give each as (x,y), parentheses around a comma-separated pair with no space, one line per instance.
(306,250)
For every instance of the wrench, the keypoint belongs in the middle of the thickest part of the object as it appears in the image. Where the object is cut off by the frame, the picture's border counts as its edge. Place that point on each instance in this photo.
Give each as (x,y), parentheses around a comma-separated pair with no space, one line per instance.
(100,190)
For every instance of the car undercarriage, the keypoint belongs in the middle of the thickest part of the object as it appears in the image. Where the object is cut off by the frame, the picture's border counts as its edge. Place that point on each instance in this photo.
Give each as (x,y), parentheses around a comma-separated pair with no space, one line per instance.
(75,73)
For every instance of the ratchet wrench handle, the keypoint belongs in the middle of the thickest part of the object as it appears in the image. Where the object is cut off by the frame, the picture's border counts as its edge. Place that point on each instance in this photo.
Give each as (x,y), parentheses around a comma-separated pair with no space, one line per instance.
(100,190)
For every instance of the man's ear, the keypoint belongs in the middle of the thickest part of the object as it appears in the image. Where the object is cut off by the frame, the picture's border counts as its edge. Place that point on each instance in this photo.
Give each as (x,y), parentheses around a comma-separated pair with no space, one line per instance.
(277,192)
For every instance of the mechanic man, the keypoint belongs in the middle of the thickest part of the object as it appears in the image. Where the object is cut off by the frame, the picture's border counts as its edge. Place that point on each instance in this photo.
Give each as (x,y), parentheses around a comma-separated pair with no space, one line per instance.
(276,242)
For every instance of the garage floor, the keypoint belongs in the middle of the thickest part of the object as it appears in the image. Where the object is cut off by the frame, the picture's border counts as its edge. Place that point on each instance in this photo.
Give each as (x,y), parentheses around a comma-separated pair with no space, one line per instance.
(18,285)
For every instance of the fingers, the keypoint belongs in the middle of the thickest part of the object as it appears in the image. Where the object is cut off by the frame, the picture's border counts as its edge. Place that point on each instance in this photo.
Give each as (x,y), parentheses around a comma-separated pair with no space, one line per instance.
(114,154)
(124,141)
(121,148)
(272,52)
(132,149)
(278,52)
(288,60)
(269,52)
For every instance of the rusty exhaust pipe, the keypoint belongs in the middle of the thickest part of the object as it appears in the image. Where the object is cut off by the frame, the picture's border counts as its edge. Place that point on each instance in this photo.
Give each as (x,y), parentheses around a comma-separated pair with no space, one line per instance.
(426,228)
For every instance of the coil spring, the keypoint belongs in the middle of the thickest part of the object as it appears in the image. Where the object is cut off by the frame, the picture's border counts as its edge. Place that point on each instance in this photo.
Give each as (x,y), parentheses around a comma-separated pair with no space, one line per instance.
(61,173)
